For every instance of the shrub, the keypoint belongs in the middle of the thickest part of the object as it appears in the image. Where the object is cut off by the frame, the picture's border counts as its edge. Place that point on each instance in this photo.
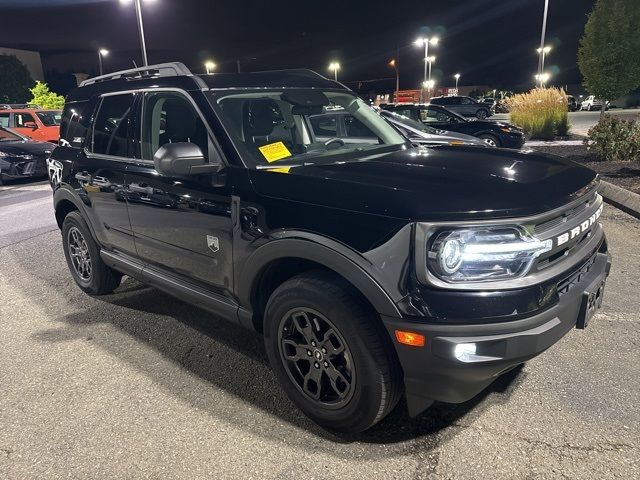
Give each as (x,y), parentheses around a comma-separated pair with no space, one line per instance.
(542,113)
(615,140)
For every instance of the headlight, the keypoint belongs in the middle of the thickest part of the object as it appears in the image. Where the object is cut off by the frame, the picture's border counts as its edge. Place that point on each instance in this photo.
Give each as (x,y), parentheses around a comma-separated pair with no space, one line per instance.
(483,254)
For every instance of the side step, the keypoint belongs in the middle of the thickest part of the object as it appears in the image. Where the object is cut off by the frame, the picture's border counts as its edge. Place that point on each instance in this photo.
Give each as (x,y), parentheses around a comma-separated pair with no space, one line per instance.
(222,306)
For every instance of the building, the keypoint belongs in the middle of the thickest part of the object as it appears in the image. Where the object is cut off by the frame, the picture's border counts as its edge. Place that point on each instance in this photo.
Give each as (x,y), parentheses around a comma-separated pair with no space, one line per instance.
(31,60)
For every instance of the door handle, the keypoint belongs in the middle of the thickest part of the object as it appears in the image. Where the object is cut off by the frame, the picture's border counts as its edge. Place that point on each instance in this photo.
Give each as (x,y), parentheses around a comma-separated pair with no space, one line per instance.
(83,177)
(134,187)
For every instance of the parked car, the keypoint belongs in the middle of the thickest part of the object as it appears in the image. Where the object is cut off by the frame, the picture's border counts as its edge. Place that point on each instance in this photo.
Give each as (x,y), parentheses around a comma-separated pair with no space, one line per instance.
(421,134)
(35,123)
(498,134)
(371,269)
(21,157)
(593,103)
(572,105)
(465,106)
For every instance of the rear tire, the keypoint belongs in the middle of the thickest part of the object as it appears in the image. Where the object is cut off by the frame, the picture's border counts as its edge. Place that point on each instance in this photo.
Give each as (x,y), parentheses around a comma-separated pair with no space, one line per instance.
(83,258)
(310,318)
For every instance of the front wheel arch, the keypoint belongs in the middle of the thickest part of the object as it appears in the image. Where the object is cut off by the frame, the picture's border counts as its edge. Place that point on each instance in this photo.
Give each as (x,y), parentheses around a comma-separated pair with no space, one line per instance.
(298,255)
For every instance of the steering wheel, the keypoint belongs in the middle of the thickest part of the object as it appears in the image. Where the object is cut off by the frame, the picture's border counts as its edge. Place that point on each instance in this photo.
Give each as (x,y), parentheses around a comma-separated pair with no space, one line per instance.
(338,142)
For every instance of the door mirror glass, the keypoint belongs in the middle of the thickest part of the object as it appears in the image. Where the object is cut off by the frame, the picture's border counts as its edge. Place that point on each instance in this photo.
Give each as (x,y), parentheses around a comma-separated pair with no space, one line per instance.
(182,159)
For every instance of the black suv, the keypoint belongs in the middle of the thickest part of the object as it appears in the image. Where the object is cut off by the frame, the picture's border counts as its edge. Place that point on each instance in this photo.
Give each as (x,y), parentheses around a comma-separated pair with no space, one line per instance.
(371,269)
(465,106)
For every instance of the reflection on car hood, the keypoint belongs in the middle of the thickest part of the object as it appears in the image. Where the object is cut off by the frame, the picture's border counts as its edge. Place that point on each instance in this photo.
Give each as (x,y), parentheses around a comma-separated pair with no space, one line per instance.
(27,147)
(437,183)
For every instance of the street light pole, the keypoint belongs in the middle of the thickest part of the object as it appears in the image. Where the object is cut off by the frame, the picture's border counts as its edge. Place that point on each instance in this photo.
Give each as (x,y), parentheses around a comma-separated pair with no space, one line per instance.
(419,42)
(103,52)
(542,35)
(395,64)
(457,77)
(140,29)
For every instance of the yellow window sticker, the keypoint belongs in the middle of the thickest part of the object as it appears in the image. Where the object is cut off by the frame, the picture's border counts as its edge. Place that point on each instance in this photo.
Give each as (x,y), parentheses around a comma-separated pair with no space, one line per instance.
(274,151)
(280,169)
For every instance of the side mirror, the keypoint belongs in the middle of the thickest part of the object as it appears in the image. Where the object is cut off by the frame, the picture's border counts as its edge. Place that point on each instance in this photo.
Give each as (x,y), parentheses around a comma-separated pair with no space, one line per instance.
(182,159)
(31,125)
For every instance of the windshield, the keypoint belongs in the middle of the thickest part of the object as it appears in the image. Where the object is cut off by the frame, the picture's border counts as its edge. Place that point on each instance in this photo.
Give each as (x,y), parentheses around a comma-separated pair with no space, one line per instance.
(409,122)
(300,125)
(50,118)
(8,136)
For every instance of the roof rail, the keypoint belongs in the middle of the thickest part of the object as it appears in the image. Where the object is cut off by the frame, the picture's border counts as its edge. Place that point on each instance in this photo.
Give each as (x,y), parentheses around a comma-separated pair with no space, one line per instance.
(172,69)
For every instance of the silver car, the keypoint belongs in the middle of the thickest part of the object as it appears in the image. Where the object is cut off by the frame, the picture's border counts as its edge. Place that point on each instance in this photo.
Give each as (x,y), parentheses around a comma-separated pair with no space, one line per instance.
(418,132)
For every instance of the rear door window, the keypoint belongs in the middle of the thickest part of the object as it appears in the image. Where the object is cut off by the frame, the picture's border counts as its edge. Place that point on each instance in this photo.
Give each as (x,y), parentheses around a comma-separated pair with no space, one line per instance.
(4,120)
(111,126)
(22,118)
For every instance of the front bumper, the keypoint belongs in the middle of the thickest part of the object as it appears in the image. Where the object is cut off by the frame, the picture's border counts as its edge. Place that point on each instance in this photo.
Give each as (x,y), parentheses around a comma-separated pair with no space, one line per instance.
(36,167)
(511,140)
(433,372)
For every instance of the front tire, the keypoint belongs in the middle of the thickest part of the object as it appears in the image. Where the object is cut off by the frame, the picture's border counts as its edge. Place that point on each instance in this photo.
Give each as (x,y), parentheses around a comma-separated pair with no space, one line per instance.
(490,140)
(330,353)
(482,114)
(83,258)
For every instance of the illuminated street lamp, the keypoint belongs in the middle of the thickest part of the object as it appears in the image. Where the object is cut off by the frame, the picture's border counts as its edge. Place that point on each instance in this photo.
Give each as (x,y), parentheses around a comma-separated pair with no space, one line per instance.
(542,78)
(103,52)
(335,66)
(140,27)
(457,77)
(428,85)
(543,51)
(425,41)
(210,66)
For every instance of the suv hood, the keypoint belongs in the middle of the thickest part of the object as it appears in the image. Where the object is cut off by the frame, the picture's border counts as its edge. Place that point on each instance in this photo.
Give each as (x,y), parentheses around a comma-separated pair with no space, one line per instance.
(436,183)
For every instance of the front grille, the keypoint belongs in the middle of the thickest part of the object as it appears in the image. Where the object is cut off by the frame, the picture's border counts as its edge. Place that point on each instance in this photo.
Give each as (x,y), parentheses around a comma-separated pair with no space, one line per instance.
(565,223)
(567,216)
(565,285)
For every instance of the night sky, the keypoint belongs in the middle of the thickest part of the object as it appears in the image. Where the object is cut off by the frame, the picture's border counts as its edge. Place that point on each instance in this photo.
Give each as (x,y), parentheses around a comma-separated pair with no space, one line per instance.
(490,42)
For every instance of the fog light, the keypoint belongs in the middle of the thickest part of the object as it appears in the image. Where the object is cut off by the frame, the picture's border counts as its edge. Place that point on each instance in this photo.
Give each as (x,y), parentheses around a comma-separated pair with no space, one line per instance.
(466,352)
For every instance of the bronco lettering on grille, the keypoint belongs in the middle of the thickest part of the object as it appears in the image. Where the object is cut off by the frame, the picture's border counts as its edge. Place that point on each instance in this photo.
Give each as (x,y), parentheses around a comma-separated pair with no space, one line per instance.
(583,227)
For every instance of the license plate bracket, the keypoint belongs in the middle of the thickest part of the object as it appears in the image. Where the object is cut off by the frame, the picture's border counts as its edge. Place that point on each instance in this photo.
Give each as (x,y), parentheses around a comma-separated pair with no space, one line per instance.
(590,304)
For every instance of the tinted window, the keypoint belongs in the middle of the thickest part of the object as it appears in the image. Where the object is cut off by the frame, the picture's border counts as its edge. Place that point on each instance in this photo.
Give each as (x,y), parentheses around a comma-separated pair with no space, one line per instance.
(51,118)
(110,129)
(355,128)
(467,101)
(7,136)
(74,124)
(324,125)
(431,115)
(4,119)
(22,118)
(169,117)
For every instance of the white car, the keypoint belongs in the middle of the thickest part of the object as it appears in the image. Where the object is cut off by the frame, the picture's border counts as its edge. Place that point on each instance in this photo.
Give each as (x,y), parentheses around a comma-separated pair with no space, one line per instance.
(593,103)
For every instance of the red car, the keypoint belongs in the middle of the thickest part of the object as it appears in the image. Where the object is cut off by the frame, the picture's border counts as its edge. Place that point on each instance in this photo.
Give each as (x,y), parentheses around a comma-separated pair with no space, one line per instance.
(35,123)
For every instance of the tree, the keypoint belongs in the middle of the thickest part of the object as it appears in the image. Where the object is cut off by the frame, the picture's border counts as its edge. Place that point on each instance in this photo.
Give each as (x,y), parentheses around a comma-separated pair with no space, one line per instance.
(45,98)
(15,80)
(608,56)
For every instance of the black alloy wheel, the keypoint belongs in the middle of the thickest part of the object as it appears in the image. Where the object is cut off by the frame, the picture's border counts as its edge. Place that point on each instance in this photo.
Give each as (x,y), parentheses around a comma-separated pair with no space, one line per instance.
(316,357)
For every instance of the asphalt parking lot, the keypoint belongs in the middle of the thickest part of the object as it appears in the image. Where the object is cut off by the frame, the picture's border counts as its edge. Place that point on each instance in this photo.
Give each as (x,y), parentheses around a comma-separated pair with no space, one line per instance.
(581,122)
(140,385)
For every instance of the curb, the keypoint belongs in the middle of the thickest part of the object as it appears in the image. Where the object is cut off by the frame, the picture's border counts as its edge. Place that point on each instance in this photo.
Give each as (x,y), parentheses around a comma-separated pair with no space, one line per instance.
(621,198)
(553,143)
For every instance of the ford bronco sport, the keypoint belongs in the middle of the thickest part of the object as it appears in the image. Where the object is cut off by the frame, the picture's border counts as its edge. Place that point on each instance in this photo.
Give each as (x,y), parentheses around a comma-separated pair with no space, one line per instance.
(373,269)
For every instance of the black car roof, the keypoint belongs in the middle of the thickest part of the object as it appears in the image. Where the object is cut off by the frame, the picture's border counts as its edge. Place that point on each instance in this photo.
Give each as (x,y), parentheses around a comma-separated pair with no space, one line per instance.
(176,75)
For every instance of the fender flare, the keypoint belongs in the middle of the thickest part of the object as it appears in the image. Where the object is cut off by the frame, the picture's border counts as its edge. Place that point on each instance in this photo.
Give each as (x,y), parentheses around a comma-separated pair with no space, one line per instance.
(63,193)
(331,254)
